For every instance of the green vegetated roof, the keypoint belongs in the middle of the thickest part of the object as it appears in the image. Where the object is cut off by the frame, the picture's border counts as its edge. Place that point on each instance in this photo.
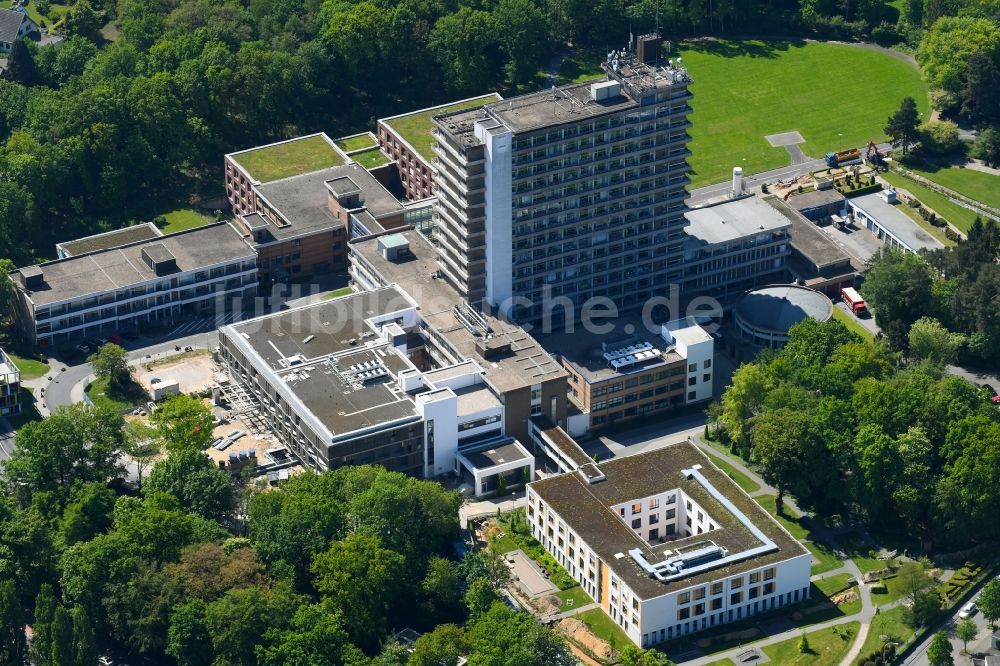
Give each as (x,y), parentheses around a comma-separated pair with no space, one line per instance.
(371,158)
(415,128)
(290,158)
(355,142)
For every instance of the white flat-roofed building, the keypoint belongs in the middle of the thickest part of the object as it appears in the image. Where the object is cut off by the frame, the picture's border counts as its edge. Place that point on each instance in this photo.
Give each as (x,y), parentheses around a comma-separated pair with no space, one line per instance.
(129,286)
(10,386)
(880,214)
(666,543)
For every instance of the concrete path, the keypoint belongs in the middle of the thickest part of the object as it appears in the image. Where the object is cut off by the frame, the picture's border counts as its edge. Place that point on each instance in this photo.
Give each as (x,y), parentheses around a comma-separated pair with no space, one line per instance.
(576,611)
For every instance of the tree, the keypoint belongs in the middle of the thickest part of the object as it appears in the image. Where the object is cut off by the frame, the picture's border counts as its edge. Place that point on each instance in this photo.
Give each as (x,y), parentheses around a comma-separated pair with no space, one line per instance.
(461,44)
(523,35)
(930,341)
(13,644)
(939,137)
(911,580)
(989,601)
(316,638)
(480,597)
(902,125)
(503,637)
(966,631)
(441,647)
(804,647)
(924,610)
(361,579)
(88,514)
(441,585)
(41,644)
(82,20)
(631,655)
(501,485)
(84,639)
(62,638)
(21,64)
(980,93)
(184,423)
(898,288)
(948,46)
(742,400)
(188,640)
(939,651)
(142,446)
(987,146)
(777,437)
(192,477)
(110,362)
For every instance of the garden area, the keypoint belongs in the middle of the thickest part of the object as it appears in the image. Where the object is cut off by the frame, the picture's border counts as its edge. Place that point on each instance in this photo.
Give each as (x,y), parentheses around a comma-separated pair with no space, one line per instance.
(825,647)
(978,185)
(180,219)
(48,15)
(511,532)
(102,392)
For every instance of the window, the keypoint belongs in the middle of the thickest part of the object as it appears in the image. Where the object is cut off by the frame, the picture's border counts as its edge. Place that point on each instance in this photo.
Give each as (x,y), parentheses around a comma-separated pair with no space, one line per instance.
(769,573)
(736,583)
(768,588)
(699,593)
(754,593)
(637,523)
(707,377)
(683,613)
(735,598)
(755,577)
(693,367)
(654,519)
(699,609)
(707,364)
(716,588)
(692,395)
(671,513)
(684,598)
(654,534)
(716,604)
(636,508)
(654,503)
(692,381)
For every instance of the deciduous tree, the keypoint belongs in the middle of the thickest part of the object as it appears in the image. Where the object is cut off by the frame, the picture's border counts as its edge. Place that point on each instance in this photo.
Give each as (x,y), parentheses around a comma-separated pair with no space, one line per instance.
(939,651)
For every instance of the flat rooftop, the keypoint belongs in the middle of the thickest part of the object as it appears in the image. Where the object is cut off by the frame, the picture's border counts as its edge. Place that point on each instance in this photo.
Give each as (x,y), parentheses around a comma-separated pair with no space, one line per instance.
(815,199)
(288,158)
(524,365)
(586,509)
(730,221)
(583,349)
(121,267)
(813,244)
(318,330)
(302,200)
(416,127)
(111,239)
(496,454)
(896,222)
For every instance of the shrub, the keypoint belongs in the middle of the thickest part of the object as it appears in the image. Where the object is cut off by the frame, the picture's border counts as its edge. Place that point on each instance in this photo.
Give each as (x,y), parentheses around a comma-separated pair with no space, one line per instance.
(879,588)
(951,235)
(885,34)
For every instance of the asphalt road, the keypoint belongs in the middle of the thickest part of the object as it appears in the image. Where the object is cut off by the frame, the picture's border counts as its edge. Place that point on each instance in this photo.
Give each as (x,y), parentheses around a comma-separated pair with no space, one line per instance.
(981,643)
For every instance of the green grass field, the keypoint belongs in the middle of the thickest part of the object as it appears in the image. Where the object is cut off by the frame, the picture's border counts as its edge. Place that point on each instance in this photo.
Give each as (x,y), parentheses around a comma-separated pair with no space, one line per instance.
(826,559)
(56,13)
(30,368)
(357,142)
(852,324)
(182,219)
(741,479)
(290,158)
(343,291)
(604,627)
(416,128)
(959,216)
(769,502)
(746,90)
(574,597)
(131,396)
(371,158)
(826,647)
(889,624)
(983,187)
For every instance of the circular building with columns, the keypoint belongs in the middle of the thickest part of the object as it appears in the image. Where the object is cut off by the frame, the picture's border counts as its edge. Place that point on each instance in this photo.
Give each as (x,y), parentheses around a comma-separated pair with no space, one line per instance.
(762,317)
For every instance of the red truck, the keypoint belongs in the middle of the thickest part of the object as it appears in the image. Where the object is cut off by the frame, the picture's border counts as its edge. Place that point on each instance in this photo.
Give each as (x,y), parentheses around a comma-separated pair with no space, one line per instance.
(854,301)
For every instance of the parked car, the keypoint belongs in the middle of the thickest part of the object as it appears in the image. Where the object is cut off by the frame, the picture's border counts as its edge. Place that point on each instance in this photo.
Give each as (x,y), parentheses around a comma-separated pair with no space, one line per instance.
(968,610)
(83,348)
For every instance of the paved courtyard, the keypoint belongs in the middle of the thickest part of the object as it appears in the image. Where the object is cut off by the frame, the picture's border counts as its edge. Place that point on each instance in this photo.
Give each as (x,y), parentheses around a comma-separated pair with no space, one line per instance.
(527,574)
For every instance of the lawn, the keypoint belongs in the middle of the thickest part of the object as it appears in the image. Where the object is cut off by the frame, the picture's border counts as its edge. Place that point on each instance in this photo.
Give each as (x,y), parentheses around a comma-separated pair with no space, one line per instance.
(852,324)
(826,559)
(416,128)
(336,293)
(833,584)
(182,219)
(826,646)
(791,524)
(984,187)
(131,396)
(574,597)
(604,627)
(290,158)
(722,662)
(371,158)
(893,591)
(822,90)
(356,142)
(890,623)
(30,368)
(940,204)
(56,13)
(741,479)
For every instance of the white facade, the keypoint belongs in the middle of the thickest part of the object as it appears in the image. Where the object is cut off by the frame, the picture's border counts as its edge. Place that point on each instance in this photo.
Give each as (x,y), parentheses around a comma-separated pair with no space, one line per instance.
(497,142)
(697,346)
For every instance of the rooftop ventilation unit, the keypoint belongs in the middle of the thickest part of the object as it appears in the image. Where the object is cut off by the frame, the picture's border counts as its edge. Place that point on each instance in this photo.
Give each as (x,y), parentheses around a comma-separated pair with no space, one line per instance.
(472,320)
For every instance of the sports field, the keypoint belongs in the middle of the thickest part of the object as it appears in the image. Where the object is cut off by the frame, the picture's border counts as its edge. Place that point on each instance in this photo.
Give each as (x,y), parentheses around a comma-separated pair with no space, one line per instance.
(835,95)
